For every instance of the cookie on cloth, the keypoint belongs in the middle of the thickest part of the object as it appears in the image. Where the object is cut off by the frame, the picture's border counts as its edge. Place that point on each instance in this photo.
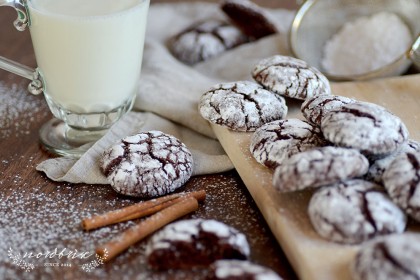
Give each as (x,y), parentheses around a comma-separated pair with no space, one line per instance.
(367,127)
(402,182)
(276,141)
(238,270)
(195,243)
(354,211)
(319,167)
(290,77)
(204,40)
(378,166)
(148,164)
(241,106)
(390,257)
(315,108)
(249,17)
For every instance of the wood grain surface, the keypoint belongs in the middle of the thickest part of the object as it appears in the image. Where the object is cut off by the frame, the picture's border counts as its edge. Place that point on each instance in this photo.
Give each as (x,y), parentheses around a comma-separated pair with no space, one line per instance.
(228,199)
(311,256)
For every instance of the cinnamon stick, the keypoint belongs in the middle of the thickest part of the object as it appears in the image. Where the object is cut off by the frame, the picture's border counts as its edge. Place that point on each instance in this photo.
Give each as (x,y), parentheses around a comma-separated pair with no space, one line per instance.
(138,210)
(134,234)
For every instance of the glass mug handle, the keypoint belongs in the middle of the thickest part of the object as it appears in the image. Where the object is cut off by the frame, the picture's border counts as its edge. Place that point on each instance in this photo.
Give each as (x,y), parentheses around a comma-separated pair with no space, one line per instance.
(36,86)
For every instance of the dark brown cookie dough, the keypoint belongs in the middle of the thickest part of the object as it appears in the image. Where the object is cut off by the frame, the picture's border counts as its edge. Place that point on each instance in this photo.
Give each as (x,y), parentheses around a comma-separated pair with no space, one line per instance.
(148,164)
(195,243)
(249,17)
(204,40)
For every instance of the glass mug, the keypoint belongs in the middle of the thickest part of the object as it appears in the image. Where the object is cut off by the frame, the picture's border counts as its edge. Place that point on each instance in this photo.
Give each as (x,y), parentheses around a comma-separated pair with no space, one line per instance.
(89,55)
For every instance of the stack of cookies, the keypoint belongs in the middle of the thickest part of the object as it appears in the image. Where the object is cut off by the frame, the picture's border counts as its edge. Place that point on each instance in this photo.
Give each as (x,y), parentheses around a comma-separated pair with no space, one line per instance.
(356,156)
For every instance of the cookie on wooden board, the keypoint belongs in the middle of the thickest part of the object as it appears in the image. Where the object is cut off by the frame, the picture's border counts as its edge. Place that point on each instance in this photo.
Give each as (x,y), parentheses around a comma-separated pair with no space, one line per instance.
(148,164)
(319,167)
(241,106)
(402,182)
(315,108)
(390,257)
(195,243)
(276,141)
(291,77)
(354,211)
(365,126)
(204,40)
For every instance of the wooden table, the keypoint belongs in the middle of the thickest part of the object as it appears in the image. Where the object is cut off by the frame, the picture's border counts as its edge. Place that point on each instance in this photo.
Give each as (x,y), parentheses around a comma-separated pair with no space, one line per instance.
(38,215)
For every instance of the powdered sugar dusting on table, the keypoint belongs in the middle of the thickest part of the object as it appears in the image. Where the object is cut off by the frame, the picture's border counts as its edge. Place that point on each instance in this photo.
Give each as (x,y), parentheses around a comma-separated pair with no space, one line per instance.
(18,109)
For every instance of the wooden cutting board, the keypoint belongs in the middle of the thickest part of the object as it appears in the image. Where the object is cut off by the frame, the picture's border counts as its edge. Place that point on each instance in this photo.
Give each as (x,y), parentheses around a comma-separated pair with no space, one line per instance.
(311,256)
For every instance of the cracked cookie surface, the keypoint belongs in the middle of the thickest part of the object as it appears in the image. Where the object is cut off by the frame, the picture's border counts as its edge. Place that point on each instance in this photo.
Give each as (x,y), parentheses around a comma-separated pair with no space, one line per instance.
(315,108)
(391,257)
(204,40)
(148,164)
(319,167)
(276,141)
(241,106)
(364,126)
(354,211)
(195,243)
(402,182)
(290,77)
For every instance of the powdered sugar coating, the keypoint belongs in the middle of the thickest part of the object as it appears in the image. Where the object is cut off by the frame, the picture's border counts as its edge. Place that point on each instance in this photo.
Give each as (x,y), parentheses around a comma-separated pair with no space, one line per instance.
(241,106)
(234,269)
(315,108)
(276,141)
(201,241)
(367,127)
(204,40)
(402,182)
(390,257)
(290,77)
(378,166)
(147,164)
(319,167)
(354,211)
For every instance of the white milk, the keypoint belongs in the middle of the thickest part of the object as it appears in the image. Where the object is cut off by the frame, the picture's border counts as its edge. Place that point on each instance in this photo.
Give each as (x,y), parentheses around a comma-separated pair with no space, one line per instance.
(89,51)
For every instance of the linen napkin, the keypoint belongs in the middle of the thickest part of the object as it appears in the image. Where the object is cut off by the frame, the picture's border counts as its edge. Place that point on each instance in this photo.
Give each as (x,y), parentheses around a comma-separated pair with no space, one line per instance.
(170,91)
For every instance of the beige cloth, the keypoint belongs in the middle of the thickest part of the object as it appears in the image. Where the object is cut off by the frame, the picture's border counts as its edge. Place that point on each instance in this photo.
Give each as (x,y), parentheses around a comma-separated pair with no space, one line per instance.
(170,91)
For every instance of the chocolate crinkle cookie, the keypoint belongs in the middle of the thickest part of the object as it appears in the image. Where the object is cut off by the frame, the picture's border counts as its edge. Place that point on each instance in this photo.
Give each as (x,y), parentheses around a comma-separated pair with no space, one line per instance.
(315,108)
(290,77)
(241,106)
(391,257)
(319,167)
(402,182)
(204,40)
(354,211)
(249,17)
(367,127)
(276,141)
(148,164)
(240,270)
(378,166)
(195,243)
